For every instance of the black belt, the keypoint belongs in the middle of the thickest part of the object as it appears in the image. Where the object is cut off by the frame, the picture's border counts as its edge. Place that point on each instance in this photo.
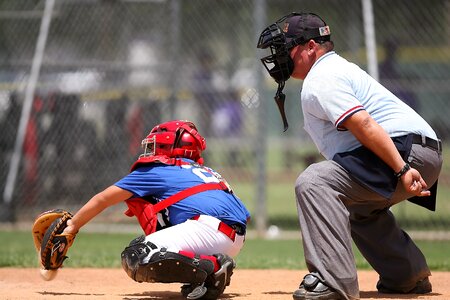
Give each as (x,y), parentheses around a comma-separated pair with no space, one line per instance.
(427,142)
(240,230)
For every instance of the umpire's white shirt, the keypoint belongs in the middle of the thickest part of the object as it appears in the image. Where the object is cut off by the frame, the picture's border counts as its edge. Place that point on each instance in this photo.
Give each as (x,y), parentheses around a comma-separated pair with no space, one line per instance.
(334,89)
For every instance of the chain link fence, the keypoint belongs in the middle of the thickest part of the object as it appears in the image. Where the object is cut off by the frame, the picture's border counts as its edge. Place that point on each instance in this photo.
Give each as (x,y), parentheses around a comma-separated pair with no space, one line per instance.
(106,72)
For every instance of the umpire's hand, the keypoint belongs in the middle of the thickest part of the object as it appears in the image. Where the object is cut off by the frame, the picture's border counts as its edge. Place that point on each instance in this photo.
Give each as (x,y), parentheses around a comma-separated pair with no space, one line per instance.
(413,183)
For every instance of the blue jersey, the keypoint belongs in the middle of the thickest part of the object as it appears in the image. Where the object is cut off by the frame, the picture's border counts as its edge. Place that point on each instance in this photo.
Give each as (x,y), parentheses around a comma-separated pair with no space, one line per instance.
(157,181)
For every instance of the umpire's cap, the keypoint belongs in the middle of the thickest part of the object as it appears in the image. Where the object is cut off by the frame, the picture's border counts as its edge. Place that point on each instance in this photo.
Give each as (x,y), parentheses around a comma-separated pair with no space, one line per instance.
(299,28)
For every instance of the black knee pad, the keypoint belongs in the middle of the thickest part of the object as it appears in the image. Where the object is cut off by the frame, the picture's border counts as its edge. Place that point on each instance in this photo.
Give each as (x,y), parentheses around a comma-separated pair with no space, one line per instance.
(134,254)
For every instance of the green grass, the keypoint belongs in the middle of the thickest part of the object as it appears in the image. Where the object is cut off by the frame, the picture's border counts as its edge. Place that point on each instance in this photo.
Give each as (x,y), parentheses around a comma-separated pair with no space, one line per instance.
(288,254)
(98,250)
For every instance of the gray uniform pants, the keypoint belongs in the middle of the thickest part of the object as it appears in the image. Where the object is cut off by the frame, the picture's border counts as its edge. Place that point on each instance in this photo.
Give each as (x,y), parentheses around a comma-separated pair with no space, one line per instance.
(333,209)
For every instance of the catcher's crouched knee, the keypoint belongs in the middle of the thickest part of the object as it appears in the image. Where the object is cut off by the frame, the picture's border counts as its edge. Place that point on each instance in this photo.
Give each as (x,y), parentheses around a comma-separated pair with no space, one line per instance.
(133,255)
(163,266)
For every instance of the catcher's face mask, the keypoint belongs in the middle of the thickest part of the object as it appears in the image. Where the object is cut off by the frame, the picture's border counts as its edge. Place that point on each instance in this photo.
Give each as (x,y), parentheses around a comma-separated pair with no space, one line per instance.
(279,64)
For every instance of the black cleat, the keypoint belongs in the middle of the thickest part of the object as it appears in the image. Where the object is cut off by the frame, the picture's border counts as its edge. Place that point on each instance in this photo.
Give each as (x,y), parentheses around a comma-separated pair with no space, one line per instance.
(215,284)
(312,288)
(422,287)
(193,291)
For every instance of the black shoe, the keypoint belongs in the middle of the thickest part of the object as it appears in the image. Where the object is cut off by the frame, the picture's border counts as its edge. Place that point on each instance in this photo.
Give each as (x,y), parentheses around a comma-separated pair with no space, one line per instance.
(215,284)
(312,288)
(193,291)
(186,289)
(422,287)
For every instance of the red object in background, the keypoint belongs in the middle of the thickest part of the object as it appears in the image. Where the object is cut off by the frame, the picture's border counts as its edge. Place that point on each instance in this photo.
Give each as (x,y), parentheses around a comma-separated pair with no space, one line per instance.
(135,127)
(31,152)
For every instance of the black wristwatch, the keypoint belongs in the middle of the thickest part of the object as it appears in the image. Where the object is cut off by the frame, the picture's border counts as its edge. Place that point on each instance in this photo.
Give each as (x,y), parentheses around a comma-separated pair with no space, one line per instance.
(405,169)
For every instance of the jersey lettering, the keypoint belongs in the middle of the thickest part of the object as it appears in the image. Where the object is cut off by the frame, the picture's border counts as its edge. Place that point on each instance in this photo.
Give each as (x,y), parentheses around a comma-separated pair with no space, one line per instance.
(207,175)
(204,175)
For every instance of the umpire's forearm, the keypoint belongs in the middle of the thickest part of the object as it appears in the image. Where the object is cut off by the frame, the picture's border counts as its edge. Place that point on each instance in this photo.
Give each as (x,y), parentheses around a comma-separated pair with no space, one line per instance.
(370,134)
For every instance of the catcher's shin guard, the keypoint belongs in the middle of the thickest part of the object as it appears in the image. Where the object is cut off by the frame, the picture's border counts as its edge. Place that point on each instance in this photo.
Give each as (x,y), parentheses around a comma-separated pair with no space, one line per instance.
(215,284)
(163,266)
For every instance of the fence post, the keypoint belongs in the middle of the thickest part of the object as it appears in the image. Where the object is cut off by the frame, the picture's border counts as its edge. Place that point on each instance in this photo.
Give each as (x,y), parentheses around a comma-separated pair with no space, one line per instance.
(369,34)
(259,18)
(8,212)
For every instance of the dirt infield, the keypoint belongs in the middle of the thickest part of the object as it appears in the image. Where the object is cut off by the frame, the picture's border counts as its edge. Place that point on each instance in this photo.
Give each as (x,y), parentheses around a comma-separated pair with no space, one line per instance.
(114,284)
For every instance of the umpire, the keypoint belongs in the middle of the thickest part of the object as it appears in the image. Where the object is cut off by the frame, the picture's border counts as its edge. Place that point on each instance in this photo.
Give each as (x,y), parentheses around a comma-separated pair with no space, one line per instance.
(378,152)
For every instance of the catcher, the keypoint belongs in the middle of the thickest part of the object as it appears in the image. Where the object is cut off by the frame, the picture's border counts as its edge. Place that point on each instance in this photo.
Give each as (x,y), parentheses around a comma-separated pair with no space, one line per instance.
(193,222)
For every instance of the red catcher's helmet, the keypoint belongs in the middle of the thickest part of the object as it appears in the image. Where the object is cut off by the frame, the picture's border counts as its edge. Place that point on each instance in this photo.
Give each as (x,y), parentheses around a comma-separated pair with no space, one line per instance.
(175,139)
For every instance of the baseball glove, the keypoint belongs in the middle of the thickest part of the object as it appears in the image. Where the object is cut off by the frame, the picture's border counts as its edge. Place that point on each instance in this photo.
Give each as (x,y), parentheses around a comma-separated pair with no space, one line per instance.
(51,244)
